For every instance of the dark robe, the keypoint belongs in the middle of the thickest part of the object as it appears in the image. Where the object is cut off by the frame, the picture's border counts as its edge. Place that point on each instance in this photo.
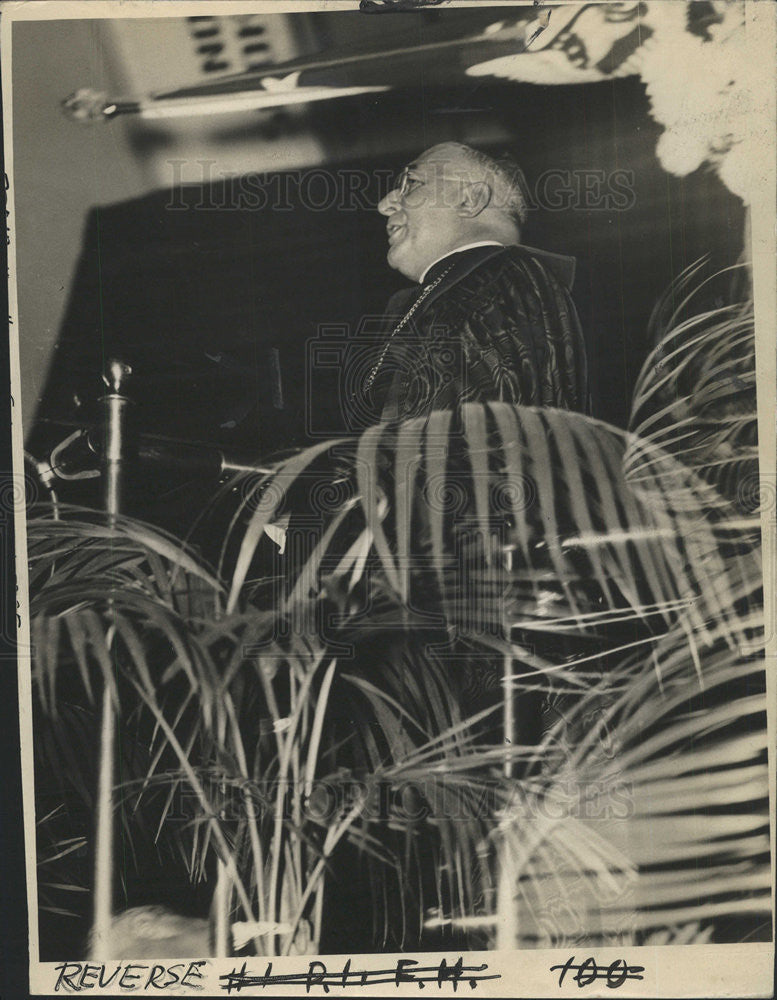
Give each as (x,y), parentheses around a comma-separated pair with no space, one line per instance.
(500,326)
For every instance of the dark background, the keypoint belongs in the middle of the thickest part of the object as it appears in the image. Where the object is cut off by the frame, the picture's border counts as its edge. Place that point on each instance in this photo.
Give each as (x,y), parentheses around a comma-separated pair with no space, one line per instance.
(199,287)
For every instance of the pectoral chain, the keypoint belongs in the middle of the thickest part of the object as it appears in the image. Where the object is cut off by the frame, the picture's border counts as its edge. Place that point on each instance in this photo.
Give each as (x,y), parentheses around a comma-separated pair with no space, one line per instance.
(373,372)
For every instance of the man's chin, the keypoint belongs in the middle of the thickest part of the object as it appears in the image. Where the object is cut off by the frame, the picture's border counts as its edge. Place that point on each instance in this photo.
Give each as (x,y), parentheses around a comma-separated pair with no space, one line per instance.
(394,259)
(391,257)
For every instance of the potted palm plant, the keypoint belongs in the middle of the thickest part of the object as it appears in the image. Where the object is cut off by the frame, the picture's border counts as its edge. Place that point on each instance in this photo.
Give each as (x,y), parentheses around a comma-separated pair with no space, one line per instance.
(371,702)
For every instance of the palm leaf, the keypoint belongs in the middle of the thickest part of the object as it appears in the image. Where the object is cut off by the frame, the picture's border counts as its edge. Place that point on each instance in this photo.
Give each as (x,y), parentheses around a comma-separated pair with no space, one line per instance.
(612,567)
(695,395)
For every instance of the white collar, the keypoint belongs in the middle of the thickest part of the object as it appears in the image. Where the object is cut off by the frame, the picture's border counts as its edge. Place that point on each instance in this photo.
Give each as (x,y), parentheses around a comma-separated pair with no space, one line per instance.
(465,246)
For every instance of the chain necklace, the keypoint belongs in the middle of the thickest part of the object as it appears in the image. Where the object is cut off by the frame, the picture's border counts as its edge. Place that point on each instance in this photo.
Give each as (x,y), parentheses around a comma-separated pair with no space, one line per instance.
(372,375)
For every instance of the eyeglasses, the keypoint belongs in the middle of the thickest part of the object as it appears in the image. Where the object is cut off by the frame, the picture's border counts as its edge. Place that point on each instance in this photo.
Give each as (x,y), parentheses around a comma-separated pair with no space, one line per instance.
(404,183)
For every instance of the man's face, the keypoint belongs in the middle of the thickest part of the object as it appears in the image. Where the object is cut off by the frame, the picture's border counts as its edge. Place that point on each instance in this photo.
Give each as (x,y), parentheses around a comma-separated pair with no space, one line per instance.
(423,220)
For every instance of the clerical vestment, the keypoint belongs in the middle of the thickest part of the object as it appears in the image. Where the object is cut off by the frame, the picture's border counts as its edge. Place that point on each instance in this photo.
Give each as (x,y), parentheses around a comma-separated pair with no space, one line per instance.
(499,326)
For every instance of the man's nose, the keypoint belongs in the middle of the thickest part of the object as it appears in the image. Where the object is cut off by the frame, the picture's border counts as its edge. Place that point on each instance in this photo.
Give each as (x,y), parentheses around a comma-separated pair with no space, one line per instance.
(389,204)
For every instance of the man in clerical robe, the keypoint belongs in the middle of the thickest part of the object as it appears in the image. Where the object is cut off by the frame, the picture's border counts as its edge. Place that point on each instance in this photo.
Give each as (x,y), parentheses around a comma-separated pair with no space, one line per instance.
(488,319)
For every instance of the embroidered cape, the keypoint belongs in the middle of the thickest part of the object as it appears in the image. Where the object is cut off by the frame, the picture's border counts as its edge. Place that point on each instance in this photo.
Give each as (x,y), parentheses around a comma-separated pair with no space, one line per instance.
(501,326)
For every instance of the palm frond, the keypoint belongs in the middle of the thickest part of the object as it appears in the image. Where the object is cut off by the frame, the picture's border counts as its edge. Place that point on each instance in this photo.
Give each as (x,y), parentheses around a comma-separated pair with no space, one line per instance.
(619,575)
(695,395)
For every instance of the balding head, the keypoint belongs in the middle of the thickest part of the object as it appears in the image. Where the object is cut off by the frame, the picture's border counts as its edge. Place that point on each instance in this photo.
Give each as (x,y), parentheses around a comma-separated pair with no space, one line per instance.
(447,197)
(502,174)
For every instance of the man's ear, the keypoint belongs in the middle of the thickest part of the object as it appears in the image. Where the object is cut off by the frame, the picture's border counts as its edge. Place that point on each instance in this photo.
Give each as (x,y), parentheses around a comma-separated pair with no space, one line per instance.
(476,196)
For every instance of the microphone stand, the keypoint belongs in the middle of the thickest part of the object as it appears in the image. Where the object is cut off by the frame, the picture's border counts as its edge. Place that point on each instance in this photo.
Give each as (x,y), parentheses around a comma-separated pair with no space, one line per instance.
(116,445)
(116,449)
(116,417)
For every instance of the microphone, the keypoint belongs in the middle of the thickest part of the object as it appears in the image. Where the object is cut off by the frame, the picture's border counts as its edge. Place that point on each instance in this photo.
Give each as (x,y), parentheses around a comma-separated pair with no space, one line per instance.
(79,454)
